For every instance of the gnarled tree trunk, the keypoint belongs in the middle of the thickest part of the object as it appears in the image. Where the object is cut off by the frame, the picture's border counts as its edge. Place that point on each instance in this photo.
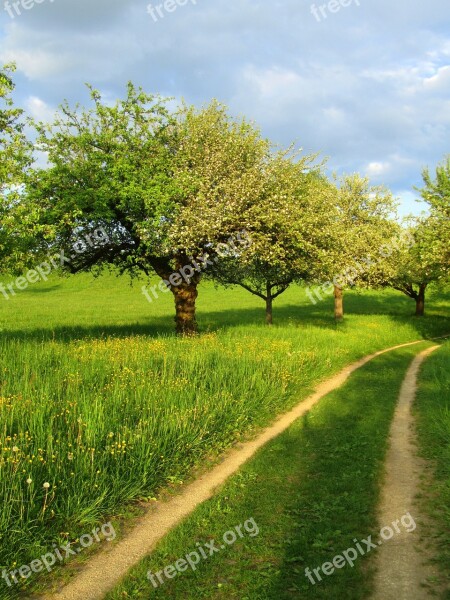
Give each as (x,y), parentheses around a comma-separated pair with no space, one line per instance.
(185,298)
(338,303)
(183,283)
(420,301)
(418,297)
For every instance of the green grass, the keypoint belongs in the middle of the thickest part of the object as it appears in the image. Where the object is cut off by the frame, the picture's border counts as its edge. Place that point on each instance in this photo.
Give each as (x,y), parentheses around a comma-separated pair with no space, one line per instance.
(311,492)
(102,401)
(432,409)
(83,306)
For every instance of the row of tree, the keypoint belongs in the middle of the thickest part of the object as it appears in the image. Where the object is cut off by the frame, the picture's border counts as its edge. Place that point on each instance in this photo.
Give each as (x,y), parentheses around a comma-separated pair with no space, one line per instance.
(169,186)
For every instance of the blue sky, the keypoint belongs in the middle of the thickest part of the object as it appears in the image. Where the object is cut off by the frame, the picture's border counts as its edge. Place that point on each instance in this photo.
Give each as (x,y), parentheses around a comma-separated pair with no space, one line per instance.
(366,84)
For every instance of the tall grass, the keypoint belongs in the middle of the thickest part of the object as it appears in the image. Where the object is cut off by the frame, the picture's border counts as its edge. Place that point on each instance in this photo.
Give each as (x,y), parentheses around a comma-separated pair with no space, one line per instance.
(105,417)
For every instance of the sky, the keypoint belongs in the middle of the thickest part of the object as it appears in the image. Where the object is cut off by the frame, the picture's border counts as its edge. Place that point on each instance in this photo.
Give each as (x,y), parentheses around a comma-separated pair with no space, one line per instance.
(364,82)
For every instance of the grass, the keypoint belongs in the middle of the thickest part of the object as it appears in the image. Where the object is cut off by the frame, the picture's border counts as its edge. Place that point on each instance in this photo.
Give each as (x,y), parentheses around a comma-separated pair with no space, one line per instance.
(311,492)
(101,401)
(432,410)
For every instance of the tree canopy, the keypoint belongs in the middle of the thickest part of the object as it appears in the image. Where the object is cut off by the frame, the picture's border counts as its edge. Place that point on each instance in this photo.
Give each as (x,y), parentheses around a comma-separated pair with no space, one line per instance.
(135,171)
(160,191)
(15,158)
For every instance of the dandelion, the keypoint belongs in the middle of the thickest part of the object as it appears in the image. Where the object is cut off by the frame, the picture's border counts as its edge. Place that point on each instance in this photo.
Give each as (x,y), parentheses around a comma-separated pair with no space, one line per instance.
(44,508)
(29,480)
(15,449)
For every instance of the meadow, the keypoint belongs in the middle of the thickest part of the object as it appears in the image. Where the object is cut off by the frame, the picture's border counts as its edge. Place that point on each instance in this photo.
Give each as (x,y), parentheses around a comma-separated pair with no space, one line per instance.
(102,404)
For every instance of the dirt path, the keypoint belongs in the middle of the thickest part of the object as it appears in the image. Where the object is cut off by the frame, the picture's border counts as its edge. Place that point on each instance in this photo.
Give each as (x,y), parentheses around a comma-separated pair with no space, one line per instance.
(107,568)
(401,572)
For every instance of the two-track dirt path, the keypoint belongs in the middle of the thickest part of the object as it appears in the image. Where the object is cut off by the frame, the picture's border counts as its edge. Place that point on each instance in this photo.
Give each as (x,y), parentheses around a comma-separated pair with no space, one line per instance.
(107,568)
(401,569)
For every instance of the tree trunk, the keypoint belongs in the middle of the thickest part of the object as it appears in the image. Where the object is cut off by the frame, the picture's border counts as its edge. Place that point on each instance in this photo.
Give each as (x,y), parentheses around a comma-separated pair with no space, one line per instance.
(269,309)
(185,297)
(338,303)
(185,293)
(420,301)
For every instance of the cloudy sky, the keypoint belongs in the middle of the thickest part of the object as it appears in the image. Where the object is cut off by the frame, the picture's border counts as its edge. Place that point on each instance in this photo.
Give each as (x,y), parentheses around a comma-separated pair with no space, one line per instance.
(366,84)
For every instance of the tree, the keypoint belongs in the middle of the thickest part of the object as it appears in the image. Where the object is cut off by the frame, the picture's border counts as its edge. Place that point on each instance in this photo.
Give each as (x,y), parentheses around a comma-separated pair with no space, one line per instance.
(421,264)
(412,272)
(15,158)
(288,225)
(427,260)
(217,167)
(363,225)
(131,170)
(436,229)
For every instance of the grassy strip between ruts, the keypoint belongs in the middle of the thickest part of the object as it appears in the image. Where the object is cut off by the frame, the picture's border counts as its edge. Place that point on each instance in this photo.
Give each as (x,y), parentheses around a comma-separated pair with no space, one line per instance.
(311,492)
(432,409)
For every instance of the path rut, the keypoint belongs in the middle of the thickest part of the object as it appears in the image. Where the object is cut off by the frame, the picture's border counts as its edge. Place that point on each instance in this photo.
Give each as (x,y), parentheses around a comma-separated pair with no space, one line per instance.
(401,569)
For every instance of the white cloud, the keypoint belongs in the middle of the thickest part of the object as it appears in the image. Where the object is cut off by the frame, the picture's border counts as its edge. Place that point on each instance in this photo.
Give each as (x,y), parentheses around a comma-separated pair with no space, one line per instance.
(349,86)
(30,56)
(440,81)
(376,169)
(274,81)
(39,109)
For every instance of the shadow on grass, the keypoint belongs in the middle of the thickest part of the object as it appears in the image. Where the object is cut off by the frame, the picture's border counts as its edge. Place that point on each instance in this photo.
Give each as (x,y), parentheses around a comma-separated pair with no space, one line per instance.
(41,290)
(337,496)
(297,316)
(318,486)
